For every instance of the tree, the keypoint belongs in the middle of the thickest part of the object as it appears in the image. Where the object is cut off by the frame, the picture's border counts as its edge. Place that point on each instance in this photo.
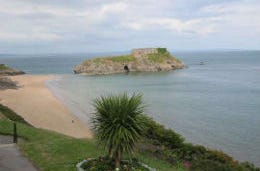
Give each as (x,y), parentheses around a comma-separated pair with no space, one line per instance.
(118,123)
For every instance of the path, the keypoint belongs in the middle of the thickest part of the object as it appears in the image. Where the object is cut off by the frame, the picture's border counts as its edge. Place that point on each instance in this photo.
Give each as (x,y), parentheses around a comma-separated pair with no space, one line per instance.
(11,158)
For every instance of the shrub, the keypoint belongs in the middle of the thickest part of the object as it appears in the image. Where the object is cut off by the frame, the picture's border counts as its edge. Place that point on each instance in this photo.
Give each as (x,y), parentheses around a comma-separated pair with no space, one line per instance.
(209,165)
(118,124)
(161,50)
(170,146)
(161,135)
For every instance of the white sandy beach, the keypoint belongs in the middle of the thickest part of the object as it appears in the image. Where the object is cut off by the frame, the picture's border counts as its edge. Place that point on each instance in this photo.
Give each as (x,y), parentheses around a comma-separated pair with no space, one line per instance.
(37,105)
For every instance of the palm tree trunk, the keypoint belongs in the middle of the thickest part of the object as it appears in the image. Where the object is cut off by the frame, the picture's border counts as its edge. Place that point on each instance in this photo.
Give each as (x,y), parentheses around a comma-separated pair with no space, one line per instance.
(118,158)
(110,153)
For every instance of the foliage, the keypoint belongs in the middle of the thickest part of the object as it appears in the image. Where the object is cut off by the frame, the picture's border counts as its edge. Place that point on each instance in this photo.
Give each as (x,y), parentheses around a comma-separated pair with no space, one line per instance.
(122,58)
(167,145)
(159,57)
(105,163)
(7,112)
(162,50)
(52,151)
(160,135)
(3,67)
(118,124)
(209,165)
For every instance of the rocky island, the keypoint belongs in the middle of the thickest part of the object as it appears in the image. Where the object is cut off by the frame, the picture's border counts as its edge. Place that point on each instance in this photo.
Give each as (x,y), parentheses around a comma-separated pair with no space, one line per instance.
(140,60)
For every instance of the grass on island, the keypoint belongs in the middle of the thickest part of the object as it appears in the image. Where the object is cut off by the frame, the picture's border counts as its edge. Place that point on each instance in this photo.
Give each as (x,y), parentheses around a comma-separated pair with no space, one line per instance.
(158,57)
(121,59)
(53,151)
(161,56)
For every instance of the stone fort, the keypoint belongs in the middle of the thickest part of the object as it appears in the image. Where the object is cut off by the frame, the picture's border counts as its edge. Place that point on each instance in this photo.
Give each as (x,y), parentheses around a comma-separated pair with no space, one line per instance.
(143,52)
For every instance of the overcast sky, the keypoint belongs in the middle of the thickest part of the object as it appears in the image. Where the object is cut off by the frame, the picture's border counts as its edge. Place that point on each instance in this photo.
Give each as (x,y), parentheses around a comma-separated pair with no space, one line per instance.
(75,26)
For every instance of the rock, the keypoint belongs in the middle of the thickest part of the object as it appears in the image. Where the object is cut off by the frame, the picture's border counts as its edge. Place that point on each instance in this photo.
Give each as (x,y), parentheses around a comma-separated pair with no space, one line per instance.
(7,83)
(140,60)
(5,71)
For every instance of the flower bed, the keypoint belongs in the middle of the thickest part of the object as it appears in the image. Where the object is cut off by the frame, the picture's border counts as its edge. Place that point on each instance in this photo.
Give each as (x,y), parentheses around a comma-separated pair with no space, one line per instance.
(106,164)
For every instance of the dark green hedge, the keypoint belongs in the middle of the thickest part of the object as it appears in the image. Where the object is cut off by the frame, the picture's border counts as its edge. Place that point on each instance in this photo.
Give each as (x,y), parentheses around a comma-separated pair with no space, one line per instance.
(170,146)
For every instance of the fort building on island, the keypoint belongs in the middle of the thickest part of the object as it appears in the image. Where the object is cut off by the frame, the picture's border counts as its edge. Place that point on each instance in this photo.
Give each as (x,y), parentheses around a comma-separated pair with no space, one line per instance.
(143,52)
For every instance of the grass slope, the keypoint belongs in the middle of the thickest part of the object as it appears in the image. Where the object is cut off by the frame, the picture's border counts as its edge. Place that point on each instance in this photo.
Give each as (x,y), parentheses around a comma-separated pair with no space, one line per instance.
(8,113)
(51,151)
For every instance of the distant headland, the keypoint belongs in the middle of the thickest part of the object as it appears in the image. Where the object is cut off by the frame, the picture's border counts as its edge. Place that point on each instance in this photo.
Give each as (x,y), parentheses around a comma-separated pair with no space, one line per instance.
(140,60)
(5,70)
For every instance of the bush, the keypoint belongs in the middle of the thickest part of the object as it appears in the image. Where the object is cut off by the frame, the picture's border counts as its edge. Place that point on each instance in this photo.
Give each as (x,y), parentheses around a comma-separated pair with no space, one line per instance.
(161,50)
(209,165)
(170,146)
(160,135)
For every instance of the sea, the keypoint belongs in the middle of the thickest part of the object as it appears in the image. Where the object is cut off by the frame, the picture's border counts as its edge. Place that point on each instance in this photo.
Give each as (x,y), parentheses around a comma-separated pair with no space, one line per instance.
(214,102)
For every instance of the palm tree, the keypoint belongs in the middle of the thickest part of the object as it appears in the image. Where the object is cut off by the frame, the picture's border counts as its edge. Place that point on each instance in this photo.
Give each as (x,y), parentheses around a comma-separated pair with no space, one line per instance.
(118,124)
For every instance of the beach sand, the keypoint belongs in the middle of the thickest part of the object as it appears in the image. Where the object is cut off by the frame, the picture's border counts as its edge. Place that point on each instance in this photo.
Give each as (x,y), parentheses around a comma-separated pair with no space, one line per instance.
(37,105)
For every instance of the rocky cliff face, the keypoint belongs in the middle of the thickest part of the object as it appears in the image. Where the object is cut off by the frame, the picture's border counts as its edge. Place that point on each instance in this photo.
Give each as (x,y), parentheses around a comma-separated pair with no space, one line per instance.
(5,70)
(140,60)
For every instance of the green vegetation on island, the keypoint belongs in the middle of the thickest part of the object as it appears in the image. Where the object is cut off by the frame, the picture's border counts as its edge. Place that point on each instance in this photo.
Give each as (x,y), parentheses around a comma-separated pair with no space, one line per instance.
(162,56)
(120,59)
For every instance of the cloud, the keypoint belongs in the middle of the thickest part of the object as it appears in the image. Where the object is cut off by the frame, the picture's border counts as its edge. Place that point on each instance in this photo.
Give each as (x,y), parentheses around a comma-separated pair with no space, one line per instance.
(200,26)
(72,23)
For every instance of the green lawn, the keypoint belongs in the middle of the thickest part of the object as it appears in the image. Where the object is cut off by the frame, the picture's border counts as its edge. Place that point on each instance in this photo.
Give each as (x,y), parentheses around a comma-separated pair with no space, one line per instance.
(51,151)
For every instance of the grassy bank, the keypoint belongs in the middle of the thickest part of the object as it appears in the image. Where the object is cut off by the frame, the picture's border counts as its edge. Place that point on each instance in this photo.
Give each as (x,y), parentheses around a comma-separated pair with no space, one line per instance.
(8,113)
(51,151)
(160,148)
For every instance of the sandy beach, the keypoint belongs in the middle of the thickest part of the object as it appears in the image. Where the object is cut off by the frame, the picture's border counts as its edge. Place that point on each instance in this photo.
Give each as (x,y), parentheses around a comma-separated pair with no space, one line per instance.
(37,105)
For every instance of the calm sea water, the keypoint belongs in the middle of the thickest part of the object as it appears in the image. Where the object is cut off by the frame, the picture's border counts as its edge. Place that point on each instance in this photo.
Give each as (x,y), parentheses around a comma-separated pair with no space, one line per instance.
(216,104)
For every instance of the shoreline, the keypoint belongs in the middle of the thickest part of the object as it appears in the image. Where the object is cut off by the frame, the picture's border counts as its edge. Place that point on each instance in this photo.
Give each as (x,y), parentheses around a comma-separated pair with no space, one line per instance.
(35,102)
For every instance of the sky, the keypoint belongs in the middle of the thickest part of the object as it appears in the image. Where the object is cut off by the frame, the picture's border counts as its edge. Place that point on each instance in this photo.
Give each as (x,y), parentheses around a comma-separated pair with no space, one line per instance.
(79,26)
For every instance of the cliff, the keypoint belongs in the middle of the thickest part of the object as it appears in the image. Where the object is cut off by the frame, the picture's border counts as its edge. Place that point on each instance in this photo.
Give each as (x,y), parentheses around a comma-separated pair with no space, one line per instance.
(140,60)
(5,70)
